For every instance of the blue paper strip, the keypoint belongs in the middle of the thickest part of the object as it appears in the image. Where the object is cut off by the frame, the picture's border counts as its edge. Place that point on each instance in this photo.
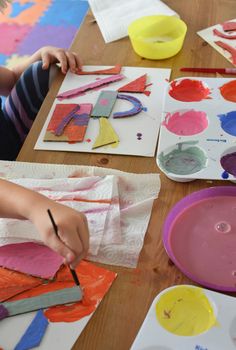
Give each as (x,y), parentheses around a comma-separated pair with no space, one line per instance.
(34,333)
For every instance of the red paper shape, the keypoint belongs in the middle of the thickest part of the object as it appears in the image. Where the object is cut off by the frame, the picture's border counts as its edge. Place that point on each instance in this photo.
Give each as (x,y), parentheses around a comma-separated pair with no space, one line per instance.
(138,85)
(229,26)
(114,70)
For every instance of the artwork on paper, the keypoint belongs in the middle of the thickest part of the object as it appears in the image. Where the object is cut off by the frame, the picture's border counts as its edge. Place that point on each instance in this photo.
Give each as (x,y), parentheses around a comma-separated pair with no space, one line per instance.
(222,37)
(122,99)
(95,282)
(68,123)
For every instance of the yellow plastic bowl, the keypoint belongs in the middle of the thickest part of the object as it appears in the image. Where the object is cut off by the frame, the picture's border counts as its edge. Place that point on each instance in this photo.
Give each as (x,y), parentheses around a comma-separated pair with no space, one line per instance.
(157,37)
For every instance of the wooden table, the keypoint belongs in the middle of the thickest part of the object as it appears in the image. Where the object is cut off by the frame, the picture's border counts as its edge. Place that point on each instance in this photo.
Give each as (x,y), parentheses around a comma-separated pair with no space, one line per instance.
(121,313)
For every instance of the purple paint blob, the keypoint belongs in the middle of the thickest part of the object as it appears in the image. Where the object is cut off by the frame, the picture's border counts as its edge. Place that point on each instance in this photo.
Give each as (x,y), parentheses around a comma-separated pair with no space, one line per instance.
(228,122)
(186,122)
(228,163)
(3,312)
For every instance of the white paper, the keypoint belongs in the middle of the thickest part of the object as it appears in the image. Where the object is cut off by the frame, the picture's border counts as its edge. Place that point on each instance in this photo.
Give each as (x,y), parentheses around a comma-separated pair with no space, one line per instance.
(146,122)
(113,17)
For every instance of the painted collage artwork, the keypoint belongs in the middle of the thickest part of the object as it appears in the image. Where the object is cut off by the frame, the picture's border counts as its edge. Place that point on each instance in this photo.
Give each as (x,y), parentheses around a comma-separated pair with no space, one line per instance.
(126,104)
(222,37)
(27,25)
(198,133)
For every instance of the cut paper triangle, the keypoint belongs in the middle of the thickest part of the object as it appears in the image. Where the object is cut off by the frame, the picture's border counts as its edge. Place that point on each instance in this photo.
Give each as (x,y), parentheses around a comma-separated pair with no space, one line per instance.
(107,134)
(114,70)
(138,85)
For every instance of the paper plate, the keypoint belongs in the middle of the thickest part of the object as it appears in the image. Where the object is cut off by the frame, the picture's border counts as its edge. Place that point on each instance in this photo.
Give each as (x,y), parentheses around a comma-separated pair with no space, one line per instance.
(199,235)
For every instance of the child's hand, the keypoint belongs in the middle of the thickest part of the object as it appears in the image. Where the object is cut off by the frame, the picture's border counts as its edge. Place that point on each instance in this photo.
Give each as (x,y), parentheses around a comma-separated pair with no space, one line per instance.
(73,240)
(3,4)
(67,59)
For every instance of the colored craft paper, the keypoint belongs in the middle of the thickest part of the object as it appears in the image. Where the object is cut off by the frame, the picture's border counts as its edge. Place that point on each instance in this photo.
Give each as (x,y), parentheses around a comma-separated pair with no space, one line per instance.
(138,85)
(42,301)
(230,49)
(68,123)
(147,123)
(226,46)
(228,26)
(30,258)
(137,106)
(107,134)
(114,70)
(12,283)
(104,104)
(83,89)
(34,333)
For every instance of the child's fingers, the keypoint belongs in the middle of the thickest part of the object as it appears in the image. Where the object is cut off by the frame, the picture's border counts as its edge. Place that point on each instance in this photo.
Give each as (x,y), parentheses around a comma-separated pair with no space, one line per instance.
(71,61)
(45,60)
(59,247)
(62,59)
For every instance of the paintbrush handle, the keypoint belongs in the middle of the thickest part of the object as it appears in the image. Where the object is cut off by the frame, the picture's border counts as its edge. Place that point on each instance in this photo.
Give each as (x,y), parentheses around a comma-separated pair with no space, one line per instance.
(209,70)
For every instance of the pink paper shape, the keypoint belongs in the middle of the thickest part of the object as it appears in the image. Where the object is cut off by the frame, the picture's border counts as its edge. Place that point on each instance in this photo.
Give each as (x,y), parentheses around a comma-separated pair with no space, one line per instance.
(30,258)
(11,37)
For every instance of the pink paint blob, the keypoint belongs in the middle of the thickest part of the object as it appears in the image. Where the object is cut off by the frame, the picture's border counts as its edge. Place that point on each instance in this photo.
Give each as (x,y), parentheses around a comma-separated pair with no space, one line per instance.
(189,90)
(103,101)
(186,122)
(202,238)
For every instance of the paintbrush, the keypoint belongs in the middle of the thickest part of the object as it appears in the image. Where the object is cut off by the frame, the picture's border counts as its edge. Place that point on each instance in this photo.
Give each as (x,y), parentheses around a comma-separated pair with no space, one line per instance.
(73,273)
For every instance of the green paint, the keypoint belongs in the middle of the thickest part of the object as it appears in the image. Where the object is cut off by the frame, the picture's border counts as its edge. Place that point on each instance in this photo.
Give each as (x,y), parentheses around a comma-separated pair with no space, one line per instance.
(183,161)
(43,301)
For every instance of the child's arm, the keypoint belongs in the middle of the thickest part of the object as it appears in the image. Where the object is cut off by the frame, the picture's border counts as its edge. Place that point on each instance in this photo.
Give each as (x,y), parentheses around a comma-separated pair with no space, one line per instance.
(21,203)
(48,55)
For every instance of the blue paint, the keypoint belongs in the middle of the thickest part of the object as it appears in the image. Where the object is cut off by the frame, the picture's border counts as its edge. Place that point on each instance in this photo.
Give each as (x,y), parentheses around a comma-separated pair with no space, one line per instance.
(225,175)
(145,109)
(137,106)
(17,8)
(64,13)
(34,333)
(217,140)
(199,347)
(228,122)
(3,59)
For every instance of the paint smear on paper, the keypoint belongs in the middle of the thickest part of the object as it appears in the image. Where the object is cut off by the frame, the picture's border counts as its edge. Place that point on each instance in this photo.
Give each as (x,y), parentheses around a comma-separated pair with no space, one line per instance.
(182,160)
(223,35)
(228,122)
(228,163)
(228,91)
(185,311)
(137,106)
(230,49)
(186,122)
(95,282)
(189,90)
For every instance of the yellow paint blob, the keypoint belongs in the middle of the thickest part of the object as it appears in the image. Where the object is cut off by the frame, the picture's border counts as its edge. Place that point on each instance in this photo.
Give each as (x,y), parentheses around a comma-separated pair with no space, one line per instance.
(185,311)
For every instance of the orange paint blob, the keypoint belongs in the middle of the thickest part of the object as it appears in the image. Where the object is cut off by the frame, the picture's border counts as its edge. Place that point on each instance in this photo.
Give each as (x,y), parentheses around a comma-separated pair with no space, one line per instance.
(189,90)
(228,91)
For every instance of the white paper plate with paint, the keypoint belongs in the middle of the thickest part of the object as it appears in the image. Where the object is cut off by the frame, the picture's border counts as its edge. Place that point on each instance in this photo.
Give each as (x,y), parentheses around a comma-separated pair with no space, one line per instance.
(198,130)
(187,317)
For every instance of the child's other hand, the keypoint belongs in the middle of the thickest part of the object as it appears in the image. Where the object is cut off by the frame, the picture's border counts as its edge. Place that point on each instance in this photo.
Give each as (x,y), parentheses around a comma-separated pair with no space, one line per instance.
(73,240)
(67,60)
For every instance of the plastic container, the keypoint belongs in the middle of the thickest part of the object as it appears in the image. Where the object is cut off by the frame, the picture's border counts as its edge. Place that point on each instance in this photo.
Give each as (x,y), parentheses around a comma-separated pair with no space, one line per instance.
(157,37)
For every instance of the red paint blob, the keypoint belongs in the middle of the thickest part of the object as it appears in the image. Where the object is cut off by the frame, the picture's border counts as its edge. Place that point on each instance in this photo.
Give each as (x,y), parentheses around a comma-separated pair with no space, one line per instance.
(189,90)
(228,91)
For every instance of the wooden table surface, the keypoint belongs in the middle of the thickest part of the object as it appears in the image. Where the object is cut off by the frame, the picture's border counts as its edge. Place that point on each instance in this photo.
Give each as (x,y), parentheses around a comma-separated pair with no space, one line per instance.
(119,316)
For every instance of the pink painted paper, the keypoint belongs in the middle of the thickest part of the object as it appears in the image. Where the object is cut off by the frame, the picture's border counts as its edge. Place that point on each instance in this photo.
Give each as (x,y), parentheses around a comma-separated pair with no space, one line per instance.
(30,258)
(83,89)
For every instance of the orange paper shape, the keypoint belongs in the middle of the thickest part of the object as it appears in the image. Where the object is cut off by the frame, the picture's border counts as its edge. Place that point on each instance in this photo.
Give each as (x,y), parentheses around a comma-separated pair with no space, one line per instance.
(72,121)
(13,283)
(138,85)
(114,70)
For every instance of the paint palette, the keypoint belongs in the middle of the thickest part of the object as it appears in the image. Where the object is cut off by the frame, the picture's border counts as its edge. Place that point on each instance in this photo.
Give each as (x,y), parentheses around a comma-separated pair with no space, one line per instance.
(198,130)
(199,235)
(186,317)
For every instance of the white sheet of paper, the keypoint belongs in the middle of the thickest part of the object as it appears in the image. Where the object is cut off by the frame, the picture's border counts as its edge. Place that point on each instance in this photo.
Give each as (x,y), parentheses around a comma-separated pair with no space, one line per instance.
(146,122)
(114,17)
(208,35)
